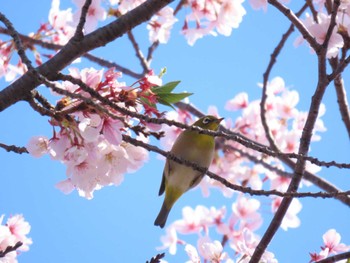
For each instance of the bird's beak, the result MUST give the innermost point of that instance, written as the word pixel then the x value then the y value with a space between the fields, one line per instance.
pixel 219 120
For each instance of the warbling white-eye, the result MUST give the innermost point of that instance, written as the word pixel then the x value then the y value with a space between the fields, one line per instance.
pixel 179 178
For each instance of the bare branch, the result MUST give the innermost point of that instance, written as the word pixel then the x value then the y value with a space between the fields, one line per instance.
pixel 342 102
pixel 13 148
pixel 108 64
pixel 143 61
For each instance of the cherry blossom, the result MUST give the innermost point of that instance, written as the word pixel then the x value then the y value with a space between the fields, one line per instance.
pixel 332 245
pixel 94 14
pixel 211 16
pixel 161 24
pixel 212 251
pixel 240 101
pixel 290 220
pixel 62 22
pixel 319 31
pixel 192 254
pixel 89 143
pixel 38 146
pixel 15 230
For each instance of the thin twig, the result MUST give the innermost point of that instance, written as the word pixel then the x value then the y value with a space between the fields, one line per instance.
pixel 143 61
pixel 332 24
pixel 100 61
pixel 10 249
pixel 305 137
pixel 335 258
pixel 13 148
pixel 297 23
pixel 155 44
pixel 266 76
pixel 246 190
pixel 20 88
pixel 342 102
pixel 79 34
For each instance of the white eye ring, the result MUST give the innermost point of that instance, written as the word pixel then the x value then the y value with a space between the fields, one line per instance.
pixel 206 120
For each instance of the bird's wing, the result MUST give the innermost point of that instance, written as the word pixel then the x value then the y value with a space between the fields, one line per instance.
pixel 166 171
pixel 196 180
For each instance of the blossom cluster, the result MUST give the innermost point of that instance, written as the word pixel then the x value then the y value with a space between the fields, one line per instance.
pixel 243 166
pixel 13 231
pixel 237 232
pixel 90 142
pixel 318 27
pixel 331 246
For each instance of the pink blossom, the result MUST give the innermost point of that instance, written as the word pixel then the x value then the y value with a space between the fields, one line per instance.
pixel 137 156
pixel 170 240
pixel 65 186
pixel 160 25
pixel 230 16
pixel 90 127
pixel 262 4
pixel 62 22
pixel 319 31
pixel 94 14
pixel 192 254
pixel 191 221
pixel 290 220
pixel 58 145
pixel 112 130
pixel 331 241
pixel 245 210
pixel 15 230
pixel 212 251
pixel 126 5
pixel 332 245
pixel 240 101
pixel 89 76
pixel 20 229
pixel 38 146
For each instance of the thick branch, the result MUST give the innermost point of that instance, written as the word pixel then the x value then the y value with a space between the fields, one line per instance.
pixel 20 88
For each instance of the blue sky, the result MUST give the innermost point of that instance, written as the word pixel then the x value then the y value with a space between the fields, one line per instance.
pixel 117 225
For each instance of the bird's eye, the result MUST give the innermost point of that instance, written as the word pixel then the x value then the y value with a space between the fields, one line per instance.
pixel 206 120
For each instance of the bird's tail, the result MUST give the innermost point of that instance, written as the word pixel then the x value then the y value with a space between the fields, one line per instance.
pixel 162 216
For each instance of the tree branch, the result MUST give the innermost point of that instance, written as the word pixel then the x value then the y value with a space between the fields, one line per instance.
pixel 335 258
pixel 266 76
pixel 297 23
pixel 242 189
pixel 10 249
pixel 79 35
pixel 13 148
pixel 305 137
pixel 20 89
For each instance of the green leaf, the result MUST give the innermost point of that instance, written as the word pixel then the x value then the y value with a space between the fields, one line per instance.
pixel 172 98
pixel 166 88
pixel 146 101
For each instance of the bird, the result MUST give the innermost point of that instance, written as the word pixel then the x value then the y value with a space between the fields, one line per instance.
pixel 178 178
